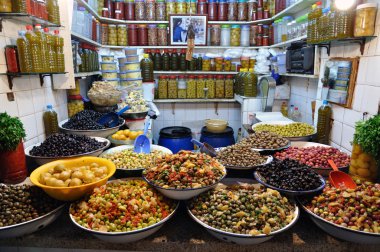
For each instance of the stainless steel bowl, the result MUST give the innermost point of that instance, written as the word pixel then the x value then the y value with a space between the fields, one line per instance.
pixel 134 116
pixel 96 133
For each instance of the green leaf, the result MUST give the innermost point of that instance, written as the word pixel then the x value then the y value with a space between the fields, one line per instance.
pixel 11 132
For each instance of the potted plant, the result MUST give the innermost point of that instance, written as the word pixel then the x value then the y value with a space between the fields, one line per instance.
pixel 12 156
pixel 365 159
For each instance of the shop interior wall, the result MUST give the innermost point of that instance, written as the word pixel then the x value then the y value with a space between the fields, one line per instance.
pixel 366 97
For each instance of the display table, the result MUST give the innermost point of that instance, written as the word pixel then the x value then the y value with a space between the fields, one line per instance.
pixel 181 233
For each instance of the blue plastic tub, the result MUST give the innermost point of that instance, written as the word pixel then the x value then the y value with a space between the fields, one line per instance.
pixel 176 138
pixel 218 140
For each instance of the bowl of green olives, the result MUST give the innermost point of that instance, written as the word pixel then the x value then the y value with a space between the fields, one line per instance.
pixel 293 131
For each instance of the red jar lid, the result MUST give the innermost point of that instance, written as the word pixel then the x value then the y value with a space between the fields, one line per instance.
pixel 132 26
pixel 172 77
pixel 210 76
pixel 181 76
pixel 201 77
pixel 74 97
pixel 219 76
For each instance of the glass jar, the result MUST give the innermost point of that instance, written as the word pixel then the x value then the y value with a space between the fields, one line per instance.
pixel 235 35
pixel 150 10
pixel 11 59
pixel 210 85
pixel 180 7
pixel 170 8
pixel 219 64
pixel 181 87
pixel 365 20
pixel 201 84
pixel 242 10
pixel 105 13
pixel 132 35
pixel 252 62
pixel 112 34
pixel 232 10
pixel 344 24
pixel 6 6
pixel 229 87
pixel 252 35
pixel 74 105
pixel 219 86
pixel 212 10
pixel 259 40
pixel 129 7
pixel 162 35
pixel 244 37
pixel 260 13
pixel 222 10
pixel 244 62
pixel 227 64
pixel 192 7
pixel 191 89
pixel 152 35
pixel 121 35
pixel 162 87
pixel 173 87
pixel 363 166
pixel 206 63
pixel 118 6
pixel 215 35
pixel 252 8
pixel 225 35
pixel 160 10
pixel 265 41
pixel 142 34
pixel 109 5
pixel 202 7
pixel 139 10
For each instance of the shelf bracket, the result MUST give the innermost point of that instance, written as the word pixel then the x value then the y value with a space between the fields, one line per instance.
pixel 173 108
pixel 42 79
pixel 10 80
pixel 1 24
pixel 216 105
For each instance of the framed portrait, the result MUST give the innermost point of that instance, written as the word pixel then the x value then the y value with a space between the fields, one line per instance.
pixel 178 26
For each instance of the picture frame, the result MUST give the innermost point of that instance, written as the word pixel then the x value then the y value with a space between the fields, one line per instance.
pixel 178 24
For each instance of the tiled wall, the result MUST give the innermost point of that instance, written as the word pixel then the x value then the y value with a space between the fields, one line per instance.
pixel 30 98
pixel 366 95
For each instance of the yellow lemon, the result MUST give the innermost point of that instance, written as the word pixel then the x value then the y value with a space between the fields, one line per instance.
pixel 126 132
pixel 119 132
pixel 122 137
pixel 133 135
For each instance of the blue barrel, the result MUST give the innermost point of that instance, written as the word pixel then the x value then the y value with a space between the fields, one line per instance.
pixel 176 138
pixel 218 140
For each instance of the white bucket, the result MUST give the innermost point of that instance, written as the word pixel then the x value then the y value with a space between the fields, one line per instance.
pixel 148 90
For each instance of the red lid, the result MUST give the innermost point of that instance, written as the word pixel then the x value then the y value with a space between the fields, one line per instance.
pixel 46 29
pixel 183 50
pixel 29 27
pixel 181 76
pixel 318 3
pixel 132 26
pixel 56 32
pixel 158 51
pixel 74 97
pixel 169 50
pixel 147 50
pixel 230 76
pixel 172 77
pixel 162 77
pixel 165 50
pixel 174 50
pixel 142 26
pixel 200 76
pixel 210 76
pixel 191 76
pixel 219 76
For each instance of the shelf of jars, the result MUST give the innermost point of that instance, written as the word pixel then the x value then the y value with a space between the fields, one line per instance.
pixel 25 18
pixel 11 76
pixel 182 47
pixel 294 8
pixel 193 100
pixel 194 72
pixel 81 38
pixel 86 74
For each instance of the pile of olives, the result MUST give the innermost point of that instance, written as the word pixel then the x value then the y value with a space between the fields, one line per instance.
pixel 288 130
pixel 86 120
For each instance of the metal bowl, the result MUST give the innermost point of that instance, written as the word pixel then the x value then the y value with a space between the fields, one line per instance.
pixel 134 115
pixel 269 160
pixel 341 232
pixel 43 160
pixel 96 133
pixel 273 150
pixel 242 239
pixel 183 194
pixel 125 237
pixel 291 193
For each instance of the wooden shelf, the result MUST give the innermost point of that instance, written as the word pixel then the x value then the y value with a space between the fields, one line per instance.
pixel 86 74
pixel 81 38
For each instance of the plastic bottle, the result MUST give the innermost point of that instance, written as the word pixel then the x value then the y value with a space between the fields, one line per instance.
pixel 332 23
pixel 166 60
pixel 291 111
pixel 51 56
pixel 50 121
pixel 146 65
pixel 24 58
pixel 53 11
pixel 296 116
pixel 284 32
pixel 58 48
pixel 279 30
pixel 323 125
pixel 284 109
pixel 323 26
pixel 157 60
pixel 317 16
pixel 43 45
pixel 34 49
pixel 310 20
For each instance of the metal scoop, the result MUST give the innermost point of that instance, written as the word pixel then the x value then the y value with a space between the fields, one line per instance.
pixel 142 143
pixel 205 148
pixel 112 119
pixel 340 179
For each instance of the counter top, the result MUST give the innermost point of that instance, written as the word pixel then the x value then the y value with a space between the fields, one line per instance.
pixel 181 233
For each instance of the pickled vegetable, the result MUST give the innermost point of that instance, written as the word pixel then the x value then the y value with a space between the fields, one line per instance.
pixel 235 35
pixel 219 64
pixel 139 10
pixel 182 87
pixel 6 6
pixel 150 10
pixel 227 64
pixel 170 8
pixel 160 10
pixel 191 89
pixel 206 64
pixel 180 7
pixel 172 87
pixel 365 20
pixel 201 84
pixel 162 35
pixel 74 106
pixel 152 35
pixel 122 35
pixel 229 87
pixel 162 87
pixel 192 7
pixel 112 35
pixel 219 86
pixel 363 166
pixel 210 85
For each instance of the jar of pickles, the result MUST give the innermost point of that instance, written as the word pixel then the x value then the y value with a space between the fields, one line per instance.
pixel 363 165
pixel 235 35
pixel 150 10
pixel 152 35
pixel 210 85
pixel 162 87
pixel 191 88
pixel 160 10
pixel 140 10
pixel 232 10
pixel 142 34
pixel 219 64
pixel 252 7
pixel 170 8
pixel 206 63
pixel 229 86
pixel 252 62
pixel 219 86
pixel 180 7
pixel 222 10
pixel 244 35
pixel 74 105
pixel 112 34
pixel 121 35
pixel 162 35
pixel 215 35
pixel 173 87
pixel 244 61
pixel 225 35
pixel 201 84
pixel 192 7
pixel 104 34
pixel 212 10
pixel 182 89
pixel 227 64
pixel 132 35
pixel 202 7
pixel 252 35
pixel 242 10
pixel 365 19
pixel 129 7
pixel 6 6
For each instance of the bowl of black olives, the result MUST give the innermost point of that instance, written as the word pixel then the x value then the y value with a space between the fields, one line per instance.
pixel 64 146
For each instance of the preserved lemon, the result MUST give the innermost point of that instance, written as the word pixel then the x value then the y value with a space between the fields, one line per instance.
pixel 34 49
pixel 23 53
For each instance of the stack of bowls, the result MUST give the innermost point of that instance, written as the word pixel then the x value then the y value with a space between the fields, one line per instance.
pixel 109 69
pixel 130 72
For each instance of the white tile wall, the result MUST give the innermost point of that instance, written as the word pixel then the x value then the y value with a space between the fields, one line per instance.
pixel 366 95
pixel 30 98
